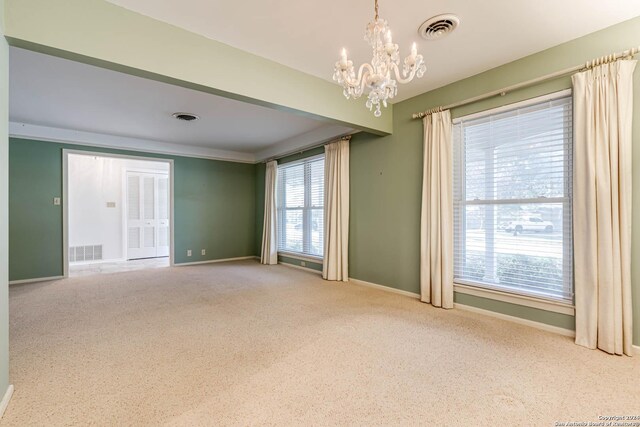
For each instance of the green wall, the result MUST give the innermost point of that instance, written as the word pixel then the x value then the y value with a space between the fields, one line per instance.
pixel 4 210
pixel 214 207
pixel 386 172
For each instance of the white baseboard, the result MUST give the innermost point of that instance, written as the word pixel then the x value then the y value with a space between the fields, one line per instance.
pixel 519 320
pixel 5 400
pixel 213 261
pixel 384 288
pixel 37 279
pixel 299 267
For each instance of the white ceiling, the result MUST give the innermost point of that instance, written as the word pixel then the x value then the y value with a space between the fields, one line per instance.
pixel 308 35
pixel 52 92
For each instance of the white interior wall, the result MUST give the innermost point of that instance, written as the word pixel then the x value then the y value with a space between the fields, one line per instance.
pixel 93 181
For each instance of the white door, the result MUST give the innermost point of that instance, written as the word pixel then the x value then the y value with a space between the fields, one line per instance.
pixel 147 215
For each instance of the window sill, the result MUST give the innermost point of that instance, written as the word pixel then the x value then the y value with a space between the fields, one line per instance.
pixel 527 301
pixel 302 257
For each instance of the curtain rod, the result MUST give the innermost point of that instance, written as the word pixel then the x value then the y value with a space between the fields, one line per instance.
pixel 311 147
pixel 502 92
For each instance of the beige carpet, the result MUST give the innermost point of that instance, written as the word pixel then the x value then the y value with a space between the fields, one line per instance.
pixel 245 344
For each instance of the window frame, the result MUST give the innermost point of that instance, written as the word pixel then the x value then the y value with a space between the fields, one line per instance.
pixel 508 293
pixel 307 210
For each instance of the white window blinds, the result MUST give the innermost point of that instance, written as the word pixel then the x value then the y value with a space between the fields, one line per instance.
pixel 512 199
pixel 300 203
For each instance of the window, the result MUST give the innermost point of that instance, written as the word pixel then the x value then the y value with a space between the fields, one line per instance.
pixel 300 202
pixel 512 199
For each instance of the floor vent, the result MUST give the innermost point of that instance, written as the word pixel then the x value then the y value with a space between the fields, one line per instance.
pixel 85 253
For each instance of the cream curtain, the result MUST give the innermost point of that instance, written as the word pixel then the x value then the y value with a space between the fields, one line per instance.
pixel 602 206
pixel 269 231
pixel 336 211
pixel 436 223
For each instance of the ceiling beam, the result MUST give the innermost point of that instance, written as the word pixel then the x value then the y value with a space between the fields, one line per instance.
pixel 100 33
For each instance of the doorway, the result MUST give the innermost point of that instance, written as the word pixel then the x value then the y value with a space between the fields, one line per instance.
pixel 117 213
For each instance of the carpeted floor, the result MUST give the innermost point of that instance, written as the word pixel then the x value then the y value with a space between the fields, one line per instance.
pixel 244 344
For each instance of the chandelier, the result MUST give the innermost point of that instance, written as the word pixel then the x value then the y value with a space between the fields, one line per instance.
pixel 376 77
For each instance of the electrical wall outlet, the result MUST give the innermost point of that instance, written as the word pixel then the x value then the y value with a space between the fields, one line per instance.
pixel 56 201
pixel 203 252
pixel 303 264
pixel 188 252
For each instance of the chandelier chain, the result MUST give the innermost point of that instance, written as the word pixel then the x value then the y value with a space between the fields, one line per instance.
pixel 376 8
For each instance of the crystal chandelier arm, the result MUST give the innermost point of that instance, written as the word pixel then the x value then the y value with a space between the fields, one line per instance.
pixel 364 70
pixel 399 78
pixel 361 79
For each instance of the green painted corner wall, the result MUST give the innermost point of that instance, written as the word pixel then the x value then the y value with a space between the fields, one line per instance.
pixel 214 207
pixel 386 172
pixel 4 209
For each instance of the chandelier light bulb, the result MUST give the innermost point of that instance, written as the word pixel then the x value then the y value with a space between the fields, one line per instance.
pixel 343 58
pixel 387 37
pixel 380 78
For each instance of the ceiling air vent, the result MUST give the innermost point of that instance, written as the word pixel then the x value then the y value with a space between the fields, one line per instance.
pixel 187 117
pixel 439 26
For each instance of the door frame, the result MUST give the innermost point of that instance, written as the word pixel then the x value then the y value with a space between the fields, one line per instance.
pixel 65 199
